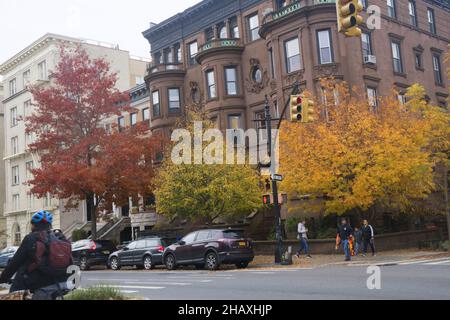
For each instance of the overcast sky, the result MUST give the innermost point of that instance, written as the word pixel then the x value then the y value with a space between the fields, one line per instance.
pixel 115 21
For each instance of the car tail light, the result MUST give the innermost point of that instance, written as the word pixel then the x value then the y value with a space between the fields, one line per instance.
pixel 93 246
pixel 161 249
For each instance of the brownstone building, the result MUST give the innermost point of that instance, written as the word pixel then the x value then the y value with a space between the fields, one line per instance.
pixel 229 54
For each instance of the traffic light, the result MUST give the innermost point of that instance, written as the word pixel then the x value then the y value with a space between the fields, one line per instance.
pixel 308 110
pixel 296 108
pixel 349 19
pixel 267 199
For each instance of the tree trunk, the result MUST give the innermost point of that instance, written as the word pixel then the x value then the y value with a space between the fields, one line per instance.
pixel 91 212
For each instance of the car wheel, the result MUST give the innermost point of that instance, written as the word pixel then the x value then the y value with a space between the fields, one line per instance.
pixel 148 263
pixel 170 262
pixel 115 264
pixel 84 266
pixel 211 261
pixel 242 265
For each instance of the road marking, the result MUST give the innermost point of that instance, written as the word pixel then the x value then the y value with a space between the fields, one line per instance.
pixel 129 291
pixel 140 287
pixel 420 262
pixel 437 263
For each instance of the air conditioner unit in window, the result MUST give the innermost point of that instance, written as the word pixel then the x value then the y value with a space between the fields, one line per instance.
pixel 370 59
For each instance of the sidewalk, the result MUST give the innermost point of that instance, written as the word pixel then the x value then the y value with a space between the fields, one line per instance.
pixel 386 258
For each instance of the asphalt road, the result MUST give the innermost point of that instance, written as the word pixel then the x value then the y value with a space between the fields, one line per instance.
pixel 410 280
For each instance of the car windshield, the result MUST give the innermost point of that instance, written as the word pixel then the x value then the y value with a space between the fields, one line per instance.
pixel 233 234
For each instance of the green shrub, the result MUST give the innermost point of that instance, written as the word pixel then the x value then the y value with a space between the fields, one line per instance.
pixel 292 224
pixel 97 293
pixel 444 246
pixel 78 235
pixel 329 233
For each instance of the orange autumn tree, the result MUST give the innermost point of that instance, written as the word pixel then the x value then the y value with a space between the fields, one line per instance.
pixel 79 160
pixel 356 156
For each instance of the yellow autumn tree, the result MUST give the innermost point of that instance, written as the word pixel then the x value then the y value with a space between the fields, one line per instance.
pixel 205 192
pixel 356 156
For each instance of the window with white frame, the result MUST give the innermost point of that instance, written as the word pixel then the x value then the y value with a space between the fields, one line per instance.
pixel 253 27
pixel 412 12
pixel 15 145
pixel 231 81
pixel 146 114
pixel 431 20
pixel 211 84
pixel 26 78
pixel 293 56
pixel 15 175
pixel 42 70
pixel 391 8
pixel 437 69
pixel 14 117
pixel 234 122
pixel 156 104
pixel 12 87
pixel 30 201
pixel 372 96
pixel 397 57
pixel 29 166
pixel 16 202
pixel 193 50
pixel 366 43
pixel 174 99
pixel 324 44
pixel 133 119
pixel 401 98
pixel 27 108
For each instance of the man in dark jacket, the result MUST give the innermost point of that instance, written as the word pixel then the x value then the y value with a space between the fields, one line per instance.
pixel 368 238
pixel 25 257
pixel 345 232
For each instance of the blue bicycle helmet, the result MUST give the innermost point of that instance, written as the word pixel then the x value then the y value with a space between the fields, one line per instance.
pixel 42 217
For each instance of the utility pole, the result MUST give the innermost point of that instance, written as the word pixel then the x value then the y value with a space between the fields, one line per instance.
pixel 276 203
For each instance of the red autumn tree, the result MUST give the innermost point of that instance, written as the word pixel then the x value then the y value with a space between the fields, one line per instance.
pixel 79 159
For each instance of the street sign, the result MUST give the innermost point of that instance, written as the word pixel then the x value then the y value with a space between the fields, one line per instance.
pixel 277 177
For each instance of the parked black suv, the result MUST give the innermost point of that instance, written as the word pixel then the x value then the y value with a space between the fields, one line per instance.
pixel 88 253
pixel 144 254
pixel 209 249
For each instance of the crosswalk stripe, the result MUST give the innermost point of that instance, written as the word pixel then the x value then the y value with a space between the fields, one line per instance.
pixel 139 287
pixel 437 263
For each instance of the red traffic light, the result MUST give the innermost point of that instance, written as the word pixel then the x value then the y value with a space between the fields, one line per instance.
pixel 299 100
pixel 267 199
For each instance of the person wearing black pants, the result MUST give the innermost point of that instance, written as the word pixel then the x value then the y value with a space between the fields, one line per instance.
pixel 368 238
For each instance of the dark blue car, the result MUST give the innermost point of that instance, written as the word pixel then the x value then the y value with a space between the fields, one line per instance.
pixel 6 255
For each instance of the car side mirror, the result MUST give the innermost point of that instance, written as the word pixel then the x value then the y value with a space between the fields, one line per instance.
pixel 181 243
pixel 126 249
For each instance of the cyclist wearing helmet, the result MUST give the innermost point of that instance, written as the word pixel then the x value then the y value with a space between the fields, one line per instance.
pixel 25 257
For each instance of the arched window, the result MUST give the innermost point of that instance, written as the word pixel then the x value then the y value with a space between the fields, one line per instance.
pixel 223 33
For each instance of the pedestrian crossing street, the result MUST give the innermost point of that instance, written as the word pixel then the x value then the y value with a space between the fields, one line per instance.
pixel 145 282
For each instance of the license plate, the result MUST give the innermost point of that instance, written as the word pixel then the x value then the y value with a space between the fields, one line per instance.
pixel 106 252
pixel 242 244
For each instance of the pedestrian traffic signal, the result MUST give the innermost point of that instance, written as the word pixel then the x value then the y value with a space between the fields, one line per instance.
pixel 308 110
pixel 348 16
pixel 296 108
pixel 267 199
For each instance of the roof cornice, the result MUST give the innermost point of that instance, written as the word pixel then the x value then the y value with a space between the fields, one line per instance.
pixel 32 49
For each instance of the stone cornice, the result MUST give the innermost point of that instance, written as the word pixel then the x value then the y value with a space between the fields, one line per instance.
pixel 33 49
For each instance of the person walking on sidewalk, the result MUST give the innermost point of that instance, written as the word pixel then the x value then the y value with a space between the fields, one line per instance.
pixel 368 238
pixel 345 232
pixel 303 237
pixel 358 240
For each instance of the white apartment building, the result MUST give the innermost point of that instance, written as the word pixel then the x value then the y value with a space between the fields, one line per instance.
pixel 33 65
pixel 2 173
